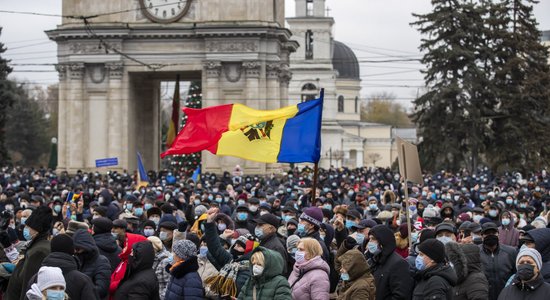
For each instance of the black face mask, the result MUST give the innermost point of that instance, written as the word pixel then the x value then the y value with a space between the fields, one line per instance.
pixel 290 232
pixel 490 240
pixel 236 254
pixel 526 272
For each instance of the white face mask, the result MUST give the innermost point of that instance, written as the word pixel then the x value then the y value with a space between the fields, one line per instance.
pixel 257 270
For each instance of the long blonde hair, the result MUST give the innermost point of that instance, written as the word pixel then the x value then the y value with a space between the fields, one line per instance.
pixel 258 258
pixel 312 247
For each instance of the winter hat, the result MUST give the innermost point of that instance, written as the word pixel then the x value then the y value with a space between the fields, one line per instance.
pixel 533 253
pixel 384 215
pixel 313 215
pixel 62 243
pixel 74 226
pixel 292 241
pixel 150 224
pixel 50 277
pixel 102 225
pixel 168 225
pixel 199 210
pixel 101 210
pixel 157 243
pixel 464 217
pixel 119 223
pixel 184 249
pixel 434 249
pixel 430 212
pixel 41 219
pixel 404 230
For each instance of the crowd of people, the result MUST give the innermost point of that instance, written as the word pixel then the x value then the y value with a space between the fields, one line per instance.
pixel 236 236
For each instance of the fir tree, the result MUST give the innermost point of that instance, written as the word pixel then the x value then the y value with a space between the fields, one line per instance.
pixel 8 94
pixel 187 163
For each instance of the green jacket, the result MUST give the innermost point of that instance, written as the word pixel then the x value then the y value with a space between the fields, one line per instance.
pixel 29 265
pixel 271 284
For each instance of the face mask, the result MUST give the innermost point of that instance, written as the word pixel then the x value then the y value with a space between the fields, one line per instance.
pixel 167 197
pixel 505 222
pixel 322 236
pixel 163 235
pixel 23 221
pixel 493 213
pixel 326 190
pixel 57 208
pixel 203 250
pixel 301 229
pixel 148 232
pixel 360 238
pixel 241 202
pixel 55 232
pixel 419 263
pixel 526 272
pixel 100 200
pixel 55 295
pixel 222 226
pixel 444 239
pixel 27 234
pixel 300 256
pixel 258 232
pixel 477 218
pixel 257 270
pixel 114 234
pixel 210 197
pixel 197 201
pixel 156 221
pixel 350 193
pixel 129 206
pixel 171 259
pixel 509 201
pixel 148 206
pixel 344 276
pixel 350 223
pixel 523 205
pixel 373 247
pixel 490 240
pixel 253 208
pixel 12 226
pixel 286 218
pixel 138 211
pixel 476 239
pixel 219 200
pixel 414 237
pixel 373 206
pixel 327 206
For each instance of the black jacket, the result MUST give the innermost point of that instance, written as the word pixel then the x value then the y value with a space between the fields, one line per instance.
pixel 272 242
pixel 79 286
pixel 390 270
pixel 533 290
pixel 472 283
pixel 498 267
pixel 108 247
pixel 96 266
pixel 140 281
pixel 541 236
pixel 185 282
pixel 435 283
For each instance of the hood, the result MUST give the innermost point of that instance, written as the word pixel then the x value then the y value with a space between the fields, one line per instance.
pixel 196 228
pixel 273 263
pixel 512 223
pixel 83 239
pixel 441 270
pixel 107 197
pixel 541 236
pixel 316 263
pixel 473 256
pixel 106 242
pixel 355 263
pixel 329 233
pixel 64 261
pixel 385 237
pixel 227 220
pixel 458 260
pixel 131 239
pixel 142 258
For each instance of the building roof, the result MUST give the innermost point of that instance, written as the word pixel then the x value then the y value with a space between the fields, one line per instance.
pixel 408 134
pixel 545 36
pixel 345 61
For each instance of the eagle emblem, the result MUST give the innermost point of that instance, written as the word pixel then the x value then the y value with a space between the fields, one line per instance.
pixel 258 131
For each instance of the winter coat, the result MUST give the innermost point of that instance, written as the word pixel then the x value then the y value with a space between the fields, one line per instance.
pixel 309 279
pixel 361 283
pixel 471 281
pixel 390 270
pixel 163 276
pixel 508 235
pixel 270 284
pixel 185 283
pixel 96 266
pixel 498 267
pixel 120 272
pixel 206 269
pixel 534 290
pixel 140 282
pixel 34 255
pixel 435 282
pixel 541 237
pixel 108 247
pixel 79 286
pixel 272 242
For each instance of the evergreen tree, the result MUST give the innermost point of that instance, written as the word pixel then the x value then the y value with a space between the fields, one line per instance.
pixel 8 94
pixel 522 78
pixel 187 163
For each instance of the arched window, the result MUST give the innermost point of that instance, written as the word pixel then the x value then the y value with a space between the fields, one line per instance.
pixel 356 104
pixel 340 103
pixel 309 92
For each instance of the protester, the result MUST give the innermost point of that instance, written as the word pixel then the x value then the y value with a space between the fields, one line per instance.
pixel 120 271
pixel 91 263
pixel 106 244
pixel 357 279
pixel 528 282
pixel 50 284
pixel 185 282
pixel 310 276
pixel 540 240
pixel 471 281
pixel 140 281
pixel 266 232
pixel 435 278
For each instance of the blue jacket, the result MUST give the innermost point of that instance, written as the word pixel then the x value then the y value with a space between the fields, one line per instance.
pixel 185 282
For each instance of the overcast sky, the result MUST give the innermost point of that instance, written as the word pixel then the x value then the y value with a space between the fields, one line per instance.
pixel 374 29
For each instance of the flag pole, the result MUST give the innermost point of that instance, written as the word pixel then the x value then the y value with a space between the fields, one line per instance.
pixel 406 196
pixel 315 176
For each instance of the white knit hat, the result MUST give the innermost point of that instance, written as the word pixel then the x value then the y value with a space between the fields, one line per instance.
pixel 50 277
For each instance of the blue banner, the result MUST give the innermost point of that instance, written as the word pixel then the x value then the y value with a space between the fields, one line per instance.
pixel 106 162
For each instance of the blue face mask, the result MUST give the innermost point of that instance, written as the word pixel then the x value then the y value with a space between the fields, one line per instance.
pixel 203 251
pixel 148 206
pixel 286 218
pixel 57 208
pixel 129 206
pixel 360 238
pixel 241 202
pixel 219 200
pixel 210 197
pixel 350 193
pixel 373 206
pixel 344 276
pixel 27 234
pixel 258 232
pixel 373 247
pixel 414 237
pixel 444 239
pixel 327 206
pixel 171 259
pixel 301 229
pixel 419 263
pixel 114 234
pixel 505 222
pixel 288 190
pixel 55 295
pixel 509 201
pixel 138 211
pixel 493 213
pixel 242 216
pixel 23 221
pixel 350 223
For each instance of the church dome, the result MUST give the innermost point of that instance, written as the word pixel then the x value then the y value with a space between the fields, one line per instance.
pixel 345 61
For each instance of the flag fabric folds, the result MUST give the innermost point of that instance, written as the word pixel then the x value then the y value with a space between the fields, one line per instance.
pixel 196 174
pixel 142 178
pixel 173 127
pixel 290 134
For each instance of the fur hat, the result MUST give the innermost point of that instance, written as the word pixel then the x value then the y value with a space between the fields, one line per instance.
pixel 41 219
pixel 74 226
pixel 341 210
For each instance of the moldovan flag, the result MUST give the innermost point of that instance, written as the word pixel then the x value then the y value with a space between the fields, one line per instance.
pixel 142 178
pixel 291 134
pixel 174 120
